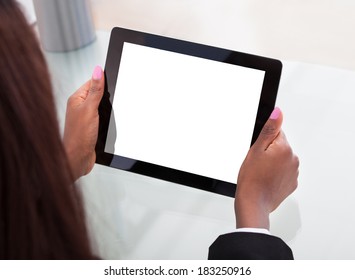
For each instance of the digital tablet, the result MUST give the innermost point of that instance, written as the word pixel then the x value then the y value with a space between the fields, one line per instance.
pixel 181 111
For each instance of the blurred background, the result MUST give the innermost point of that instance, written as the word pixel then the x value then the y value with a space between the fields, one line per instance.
pixel 315 31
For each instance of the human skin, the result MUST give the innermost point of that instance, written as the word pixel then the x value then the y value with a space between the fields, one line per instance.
pixel 267 176
pixel 82 124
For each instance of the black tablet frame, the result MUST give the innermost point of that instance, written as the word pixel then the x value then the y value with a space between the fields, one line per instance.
pixel 272 68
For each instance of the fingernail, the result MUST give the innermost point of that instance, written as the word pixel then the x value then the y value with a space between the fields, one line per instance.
pixel 275 114
pixel 97 74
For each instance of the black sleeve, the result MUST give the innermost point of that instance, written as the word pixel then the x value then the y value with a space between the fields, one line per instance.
pixel 249 246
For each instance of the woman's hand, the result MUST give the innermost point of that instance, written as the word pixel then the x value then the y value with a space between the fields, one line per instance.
pixel 82 124
pixel 267 176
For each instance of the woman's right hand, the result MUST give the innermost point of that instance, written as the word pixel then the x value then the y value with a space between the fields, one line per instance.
pixel 267 176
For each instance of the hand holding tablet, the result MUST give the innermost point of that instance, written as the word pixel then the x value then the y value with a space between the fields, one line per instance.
pixel 182 111
pixel 267 176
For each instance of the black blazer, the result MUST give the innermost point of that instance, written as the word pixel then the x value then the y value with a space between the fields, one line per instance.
pixel 249 246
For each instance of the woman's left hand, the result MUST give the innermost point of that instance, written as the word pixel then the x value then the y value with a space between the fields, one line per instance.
pixel 82 124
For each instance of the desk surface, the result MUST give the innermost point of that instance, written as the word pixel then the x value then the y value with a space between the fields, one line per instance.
pixel 135 217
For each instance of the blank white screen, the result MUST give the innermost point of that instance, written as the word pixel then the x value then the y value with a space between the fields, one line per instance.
pixel 184 112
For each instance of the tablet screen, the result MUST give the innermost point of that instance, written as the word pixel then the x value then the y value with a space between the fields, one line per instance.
pixel 180 111
pixel 184 112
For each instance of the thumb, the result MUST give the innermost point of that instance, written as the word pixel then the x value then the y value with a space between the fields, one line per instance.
pixel 270 130
pixel 97 85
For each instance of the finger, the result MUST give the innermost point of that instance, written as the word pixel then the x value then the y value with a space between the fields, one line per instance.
pixel 83 91
pixel 79 97
pixel 270 130
pixel 97 85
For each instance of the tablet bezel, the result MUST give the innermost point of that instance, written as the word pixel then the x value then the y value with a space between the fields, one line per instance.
pixel 272 68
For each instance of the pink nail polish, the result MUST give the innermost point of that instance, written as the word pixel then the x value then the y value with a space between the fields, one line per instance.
pixel 97 74
pixel 275 114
